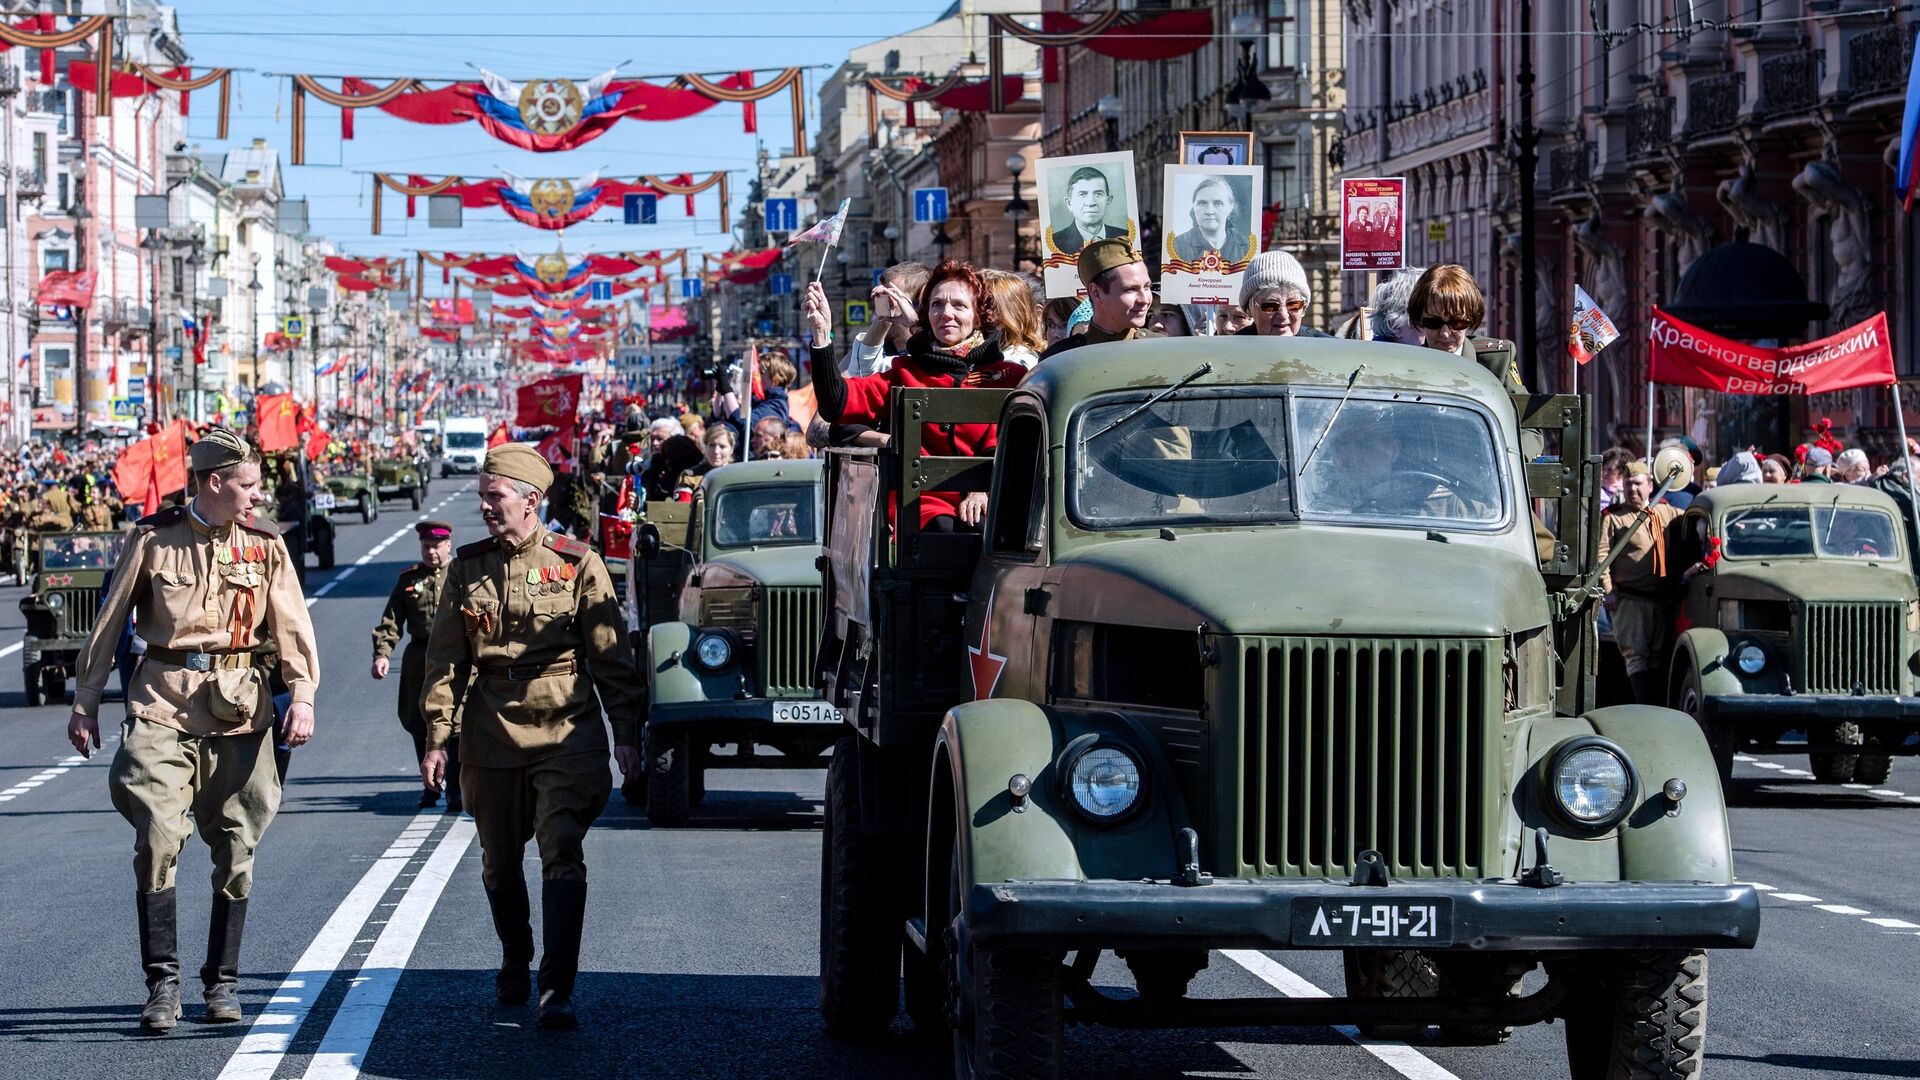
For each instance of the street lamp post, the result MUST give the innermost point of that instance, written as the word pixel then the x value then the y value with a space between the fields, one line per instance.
pixel 1017 207
pixel 253 288
pixel 1109 108
pixel 892 233
pixel 1248 90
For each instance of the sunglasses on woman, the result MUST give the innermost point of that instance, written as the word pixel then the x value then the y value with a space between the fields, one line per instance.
pixel 1458 326
pixel 1272 307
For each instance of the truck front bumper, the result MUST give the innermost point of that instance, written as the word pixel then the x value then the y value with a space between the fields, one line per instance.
pixel 712 722
pixel 1803 707
pixel 1488 914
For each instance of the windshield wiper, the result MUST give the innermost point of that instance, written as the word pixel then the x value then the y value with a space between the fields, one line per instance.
pixel 1351 379
pixel 1833 518
pixel 1203 369
pixel 1741 516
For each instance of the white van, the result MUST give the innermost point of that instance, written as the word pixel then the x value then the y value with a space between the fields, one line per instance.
pixel 465 445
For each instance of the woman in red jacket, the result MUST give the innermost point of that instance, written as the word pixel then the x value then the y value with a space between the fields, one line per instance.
pixel 951 349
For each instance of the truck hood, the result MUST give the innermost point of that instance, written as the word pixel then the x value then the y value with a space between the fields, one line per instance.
pixel 1309 581
pixel 775 567
pixel 1819 581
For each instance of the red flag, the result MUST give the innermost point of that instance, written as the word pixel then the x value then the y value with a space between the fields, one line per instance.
pixel 317 441
pixel 757 391
pixel 1685 355
pixel 550 402
pixel 170 457
pixel 499 437
pixel 554 446
pixel 279 420
pixel 133 471
pixel 66 288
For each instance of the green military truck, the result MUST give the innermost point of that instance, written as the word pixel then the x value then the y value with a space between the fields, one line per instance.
pixel 351 492
pixel 400 477
pixel 1807 620
pixel 1260 647
pixel 730 658
pixel 61 600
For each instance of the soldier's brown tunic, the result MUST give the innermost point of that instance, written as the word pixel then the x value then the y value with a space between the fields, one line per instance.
pixel 410 610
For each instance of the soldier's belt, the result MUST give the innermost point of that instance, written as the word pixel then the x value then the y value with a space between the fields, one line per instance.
pixel 526 672
pixel 207 661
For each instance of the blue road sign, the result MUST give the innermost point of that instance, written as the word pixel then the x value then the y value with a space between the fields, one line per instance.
pixel 780 284
pixel 876 278
pixel 642 209
pixel 689 287
pixel 929 205
pixel 601 290
pixel 783 215
pixel 764 327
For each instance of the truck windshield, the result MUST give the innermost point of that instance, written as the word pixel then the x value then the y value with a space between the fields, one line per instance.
pixel 760 515
pixel 465 440
pixel 80 552
pixel 1774 532
pixel 1231 457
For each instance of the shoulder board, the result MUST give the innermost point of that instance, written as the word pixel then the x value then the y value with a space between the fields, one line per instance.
pixel 258 531
pixel 566 545
pixel 477 548
pixel 172 515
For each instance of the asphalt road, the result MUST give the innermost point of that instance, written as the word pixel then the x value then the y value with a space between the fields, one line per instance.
pixel 370 949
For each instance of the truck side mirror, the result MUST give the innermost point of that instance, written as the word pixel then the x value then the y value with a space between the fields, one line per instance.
pixel 649 541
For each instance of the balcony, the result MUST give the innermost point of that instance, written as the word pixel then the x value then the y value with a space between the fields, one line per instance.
pixel 1713 104
pixel 1879 60
pixel 1790 84
pixel 1569 167
pixel 1649 128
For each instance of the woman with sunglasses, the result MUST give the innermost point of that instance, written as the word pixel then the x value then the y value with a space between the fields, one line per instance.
pixel 1445 306
pixel 1275 293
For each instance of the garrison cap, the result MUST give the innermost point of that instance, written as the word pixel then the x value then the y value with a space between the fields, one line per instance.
pixel 519 461
pixel 1103 255
pixel 217 449
pixel 433 529
pixel 1638 468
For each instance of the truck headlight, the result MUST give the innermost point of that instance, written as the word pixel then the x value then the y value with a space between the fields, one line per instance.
pixel 56 601
pixel 1751 658
pixel 1593 783
pixel 713 650
pixel 1104 782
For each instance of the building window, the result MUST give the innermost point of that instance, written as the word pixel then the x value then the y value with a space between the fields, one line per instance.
pixel 40 154
pixel 1283 175
pixel 1283 35
pixel 53 259
pixel 62 198
pixel 56 363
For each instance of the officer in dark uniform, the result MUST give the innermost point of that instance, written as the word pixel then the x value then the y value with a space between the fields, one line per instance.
pixel 410 610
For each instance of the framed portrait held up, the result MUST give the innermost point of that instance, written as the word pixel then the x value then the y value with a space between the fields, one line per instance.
pixel 1373 233
pixel 1212 216
pixel 1082 199
pixel 1216 148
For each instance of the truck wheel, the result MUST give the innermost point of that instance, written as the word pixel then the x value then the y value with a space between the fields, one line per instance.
pixel 1644 1019
pixel 1004 1004
pixel 30 678
pixel 1873 768
pixel 670 777
pixel 1719 739
pixel 1391 973
pixel 1163 975
pixel 368 508
pixel 1835 768
pixel 414 498
pixel 859 926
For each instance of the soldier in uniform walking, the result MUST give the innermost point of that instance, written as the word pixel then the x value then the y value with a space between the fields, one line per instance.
pixel 410 610
pixel 215 596
pixel 55 510
pixel 529 631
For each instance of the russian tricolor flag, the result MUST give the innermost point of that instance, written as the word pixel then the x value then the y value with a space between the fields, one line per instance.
pixel 1907 177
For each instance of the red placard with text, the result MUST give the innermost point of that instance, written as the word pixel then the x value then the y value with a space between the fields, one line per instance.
pixel 1373 233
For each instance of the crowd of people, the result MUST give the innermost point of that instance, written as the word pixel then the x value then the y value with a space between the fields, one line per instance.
pixel 49 488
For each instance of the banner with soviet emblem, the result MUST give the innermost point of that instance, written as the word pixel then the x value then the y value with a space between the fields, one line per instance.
pixel 1685 355
pixel 549 402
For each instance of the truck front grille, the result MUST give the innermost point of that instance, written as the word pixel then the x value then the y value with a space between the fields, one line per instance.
pixel 789 637
pixel 1350 744
pixel 78 607
pixel 1845 644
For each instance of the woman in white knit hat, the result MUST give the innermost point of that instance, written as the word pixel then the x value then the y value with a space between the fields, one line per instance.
pixel 1274 291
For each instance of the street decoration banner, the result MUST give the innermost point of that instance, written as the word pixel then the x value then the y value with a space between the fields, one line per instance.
pixel 1373 234
pixel 139 80
pixel 1082 199
pixel 1906 174
pixel 549 202
pixel 955 92
pixel 1122 35
pixel 548 115
pixel 547 402
pixel 1211 232
pixel 1685 355
pixel 1592 328
pixel 42 32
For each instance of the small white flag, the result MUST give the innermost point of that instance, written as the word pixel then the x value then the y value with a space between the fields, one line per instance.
pixel 826 230
pixel 1592 329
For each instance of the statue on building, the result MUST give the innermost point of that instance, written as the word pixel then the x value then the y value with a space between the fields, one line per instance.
pixel 1690 233
pixel 1851 294
pixel 1754 215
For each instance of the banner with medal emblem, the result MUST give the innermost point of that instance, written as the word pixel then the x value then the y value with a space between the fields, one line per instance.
pixel 1211 232
pixel 549 202
pixel 549 402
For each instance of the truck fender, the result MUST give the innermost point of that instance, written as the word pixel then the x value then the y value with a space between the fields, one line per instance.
pixel 1655 844
pixel 983 744
pixel 1703 650
pixel 672 676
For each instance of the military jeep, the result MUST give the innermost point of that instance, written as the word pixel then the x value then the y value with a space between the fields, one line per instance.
pixel 1260 647
pixel 730 659
pixel 1807 620
pixel 400 478
pixel 61 600
pixel 354 491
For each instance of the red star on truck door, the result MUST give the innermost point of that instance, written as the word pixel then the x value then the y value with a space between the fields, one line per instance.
pixel 984 662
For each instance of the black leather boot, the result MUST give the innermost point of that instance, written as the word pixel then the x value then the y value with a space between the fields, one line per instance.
pixel 160 958
pixel 226 925
pixel 512 921
pixel 563 909
pixel 456 803
pixel 1644 688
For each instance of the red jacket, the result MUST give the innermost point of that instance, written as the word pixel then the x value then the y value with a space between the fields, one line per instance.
pixel 867 404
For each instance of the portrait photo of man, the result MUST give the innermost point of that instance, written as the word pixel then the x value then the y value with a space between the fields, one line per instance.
pixel 1217 222
pixel 1083 199
pixel 1090 202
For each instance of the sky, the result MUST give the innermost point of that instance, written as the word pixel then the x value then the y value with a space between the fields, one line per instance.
pixel 437 39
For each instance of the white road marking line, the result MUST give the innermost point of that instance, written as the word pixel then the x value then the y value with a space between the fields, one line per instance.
pixel 1768 765
pixel 344 1047
pixel 1397 1056
pixel 1842 909
pixel 260 1053
pixel 1910 798
pixel 1857 787
pixel 1894 924
pixel 11 649
pixel 1798 898
pixel 1756 885
pixel 1795 772
pixel 324 589
pixel 1888 794
pixel 1745 757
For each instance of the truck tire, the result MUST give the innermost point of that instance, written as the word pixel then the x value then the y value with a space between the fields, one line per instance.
pixel 369 508
pixel 1873 768
pixel 1391 973
pixel 1835 768
pixel 36 692
pixel 859 926
pixel 669 779
pixel 1004 1004
pixel 414 497
pixel 1645 1018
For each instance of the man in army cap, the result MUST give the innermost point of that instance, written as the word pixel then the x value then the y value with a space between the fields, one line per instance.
pixel 215 597
pixel 529 630
pixel 1121 291
pixel 56 508
pixel 410 610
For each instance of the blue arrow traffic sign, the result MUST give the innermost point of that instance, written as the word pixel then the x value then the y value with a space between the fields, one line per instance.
pixel 600 290
pixel 780 284
pixel 642 209
pixel 689 287
pixel 929 205
pixel 782 215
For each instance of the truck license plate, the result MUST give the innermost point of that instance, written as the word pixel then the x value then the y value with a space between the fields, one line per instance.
pixel 1427 922
pixel 805 712
pixel 323 502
